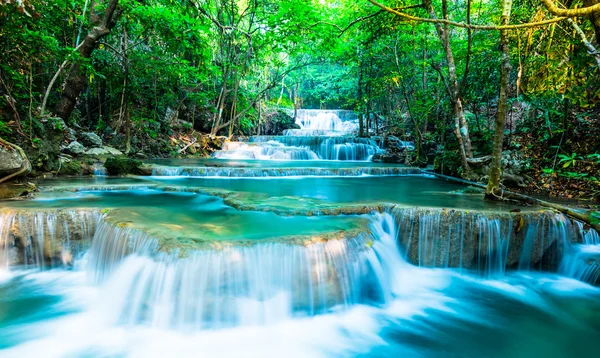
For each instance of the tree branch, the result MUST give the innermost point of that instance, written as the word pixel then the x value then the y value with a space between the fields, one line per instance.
pixel 465 25
pixel 590 48
pixel 584 11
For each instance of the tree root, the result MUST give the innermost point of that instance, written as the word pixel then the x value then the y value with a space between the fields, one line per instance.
pixel 580 215
pixel 26 164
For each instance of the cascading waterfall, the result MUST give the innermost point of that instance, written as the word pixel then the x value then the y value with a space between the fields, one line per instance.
pixel 266 150
pixel 45 239
pixel 583 260
pixel 249 284
pixel 488 243
pixel 279 172
pixel 323 135
pixel 327 147
pixel 256 284
pixel 316 122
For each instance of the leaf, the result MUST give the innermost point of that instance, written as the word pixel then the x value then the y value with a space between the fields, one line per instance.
pixel 520 222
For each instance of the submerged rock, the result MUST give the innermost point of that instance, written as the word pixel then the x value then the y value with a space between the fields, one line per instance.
pixel 91 139
pixel 16 190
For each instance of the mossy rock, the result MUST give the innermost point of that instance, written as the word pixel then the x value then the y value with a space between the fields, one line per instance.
pixel 14 190
pixel 123 166
pixel 72 167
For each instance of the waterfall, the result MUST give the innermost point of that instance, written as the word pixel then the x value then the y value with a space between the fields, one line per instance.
pixel 45 238
pixel 323 135
pixel 327 147
pixel 486 243
pixel 315 122
pixel 263 151
pixel 304 280
pixel 249 284
pixel 582 261
pixel 279 172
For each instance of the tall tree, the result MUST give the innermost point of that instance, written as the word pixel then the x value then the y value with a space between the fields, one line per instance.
pixel 103 17
pixel 493 187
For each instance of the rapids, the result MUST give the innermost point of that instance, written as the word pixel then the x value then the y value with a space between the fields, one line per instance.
pixel 291 246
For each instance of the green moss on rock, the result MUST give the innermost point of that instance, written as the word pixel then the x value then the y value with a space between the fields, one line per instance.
pixel 72 167
pixel 123 166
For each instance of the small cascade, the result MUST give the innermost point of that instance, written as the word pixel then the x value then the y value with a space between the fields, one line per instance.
pixel 326 147
pixel 488 243
pixel 249 284
pixel 264 151
pixel 45 239
pixel 582 261
pixel 278 172
pixel 111 244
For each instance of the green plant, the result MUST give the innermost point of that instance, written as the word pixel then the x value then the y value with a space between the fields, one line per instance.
pixel 4 129
pixel 594 157
pixel 569 160
pixel 574 175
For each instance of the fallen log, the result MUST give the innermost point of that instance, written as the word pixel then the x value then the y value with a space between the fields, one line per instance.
pixel 587 216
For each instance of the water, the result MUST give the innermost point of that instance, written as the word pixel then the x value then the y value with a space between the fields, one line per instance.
pixel 274 258
pixel 323 135
pixel 353 297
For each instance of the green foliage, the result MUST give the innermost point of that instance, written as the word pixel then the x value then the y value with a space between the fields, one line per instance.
pixel 569 160
pixel 4 129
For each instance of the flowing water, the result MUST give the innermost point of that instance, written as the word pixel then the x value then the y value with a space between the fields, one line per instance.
pixel 292 258
pixel 323 135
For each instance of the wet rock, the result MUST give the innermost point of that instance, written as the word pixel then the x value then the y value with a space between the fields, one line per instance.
pixel 91 139
pixel 74 148
pixel 10 161
pixel 45 152
pixel 47 238
pixel 103 152
pixel 123 166
pixel 277 122
pixel 396 151
pixel 70 167
pixel 16 190
pixel 71 134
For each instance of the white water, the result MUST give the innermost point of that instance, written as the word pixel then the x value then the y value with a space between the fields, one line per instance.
pixel 243 301
pixel 315 122
pixel 324 135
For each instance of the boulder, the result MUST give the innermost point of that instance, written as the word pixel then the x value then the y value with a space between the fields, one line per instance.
pixel 123 166
pixel 91 140
pixel 74 148
pixel 103 152
pixel 12 190
pixel 10 161
pixel 70 167
pixel 112 150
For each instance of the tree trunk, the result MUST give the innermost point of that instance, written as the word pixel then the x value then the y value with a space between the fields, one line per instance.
pixel 493 188
pixel 361 121
pixel 76 78
pixel 461 126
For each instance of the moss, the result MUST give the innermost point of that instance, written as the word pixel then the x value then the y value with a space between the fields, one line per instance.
pixel 123 166
pixel 12 190
pixel 72 167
